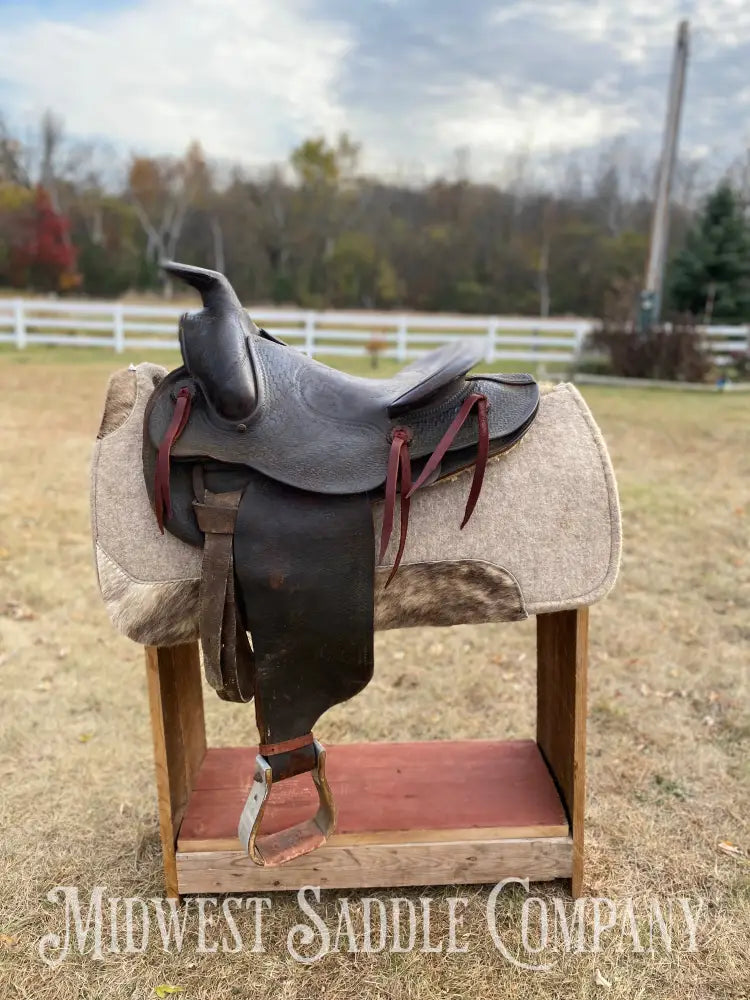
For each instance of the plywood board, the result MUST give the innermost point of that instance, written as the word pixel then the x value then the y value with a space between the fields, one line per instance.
pixel 385 793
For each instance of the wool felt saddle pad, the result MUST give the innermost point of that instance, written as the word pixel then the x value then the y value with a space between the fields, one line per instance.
pixel 545 535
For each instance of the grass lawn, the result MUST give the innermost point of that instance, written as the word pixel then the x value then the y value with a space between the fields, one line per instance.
pixel 108 360
pixel 668 738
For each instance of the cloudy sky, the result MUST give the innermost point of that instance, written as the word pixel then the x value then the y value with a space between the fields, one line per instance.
pixel 413 80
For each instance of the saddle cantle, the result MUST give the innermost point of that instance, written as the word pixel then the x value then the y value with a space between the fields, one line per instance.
pixel 271 461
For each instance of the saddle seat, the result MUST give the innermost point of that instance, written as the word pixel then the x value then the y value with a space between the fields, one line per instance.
pixel 320 430
pixel 263 405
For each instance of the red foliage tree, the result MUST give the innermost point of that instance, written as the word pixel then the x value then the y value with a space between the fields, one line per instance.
pixel 44 257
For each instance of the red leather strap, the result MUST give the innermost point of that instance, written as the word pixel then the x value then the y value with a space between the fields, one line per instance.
pixel 162 497
pixel 483 452
pixel 398 476
pixel 286 746
pixel 479 401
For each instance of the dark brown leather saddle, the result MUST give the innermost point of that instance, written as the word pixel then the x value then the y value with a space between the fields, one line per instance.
pixel 271 462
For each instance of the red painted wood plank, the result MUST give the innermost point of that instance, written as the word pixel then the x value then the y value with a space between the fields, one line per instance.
pixel 387 787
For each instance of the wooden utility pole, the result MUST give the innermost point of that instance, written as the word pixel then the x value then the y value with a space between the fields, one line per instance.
pixel 651 294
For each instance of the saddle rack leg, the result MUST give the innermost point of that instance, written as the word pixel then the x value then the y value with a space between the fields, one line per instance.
pixel 273 849
pixel 179 735
pixel 562 667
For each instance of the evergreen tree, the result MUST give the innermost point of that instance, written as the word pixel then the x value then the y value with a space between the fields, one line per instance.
pixel 710 276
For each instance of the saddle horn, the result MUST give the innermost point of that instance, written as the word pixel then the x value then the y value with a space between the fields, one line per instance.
pixel 214 342
pixel 215 290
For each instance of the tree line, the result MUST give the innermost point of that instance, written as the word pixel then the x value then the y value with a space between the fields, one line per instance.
pixel 317 231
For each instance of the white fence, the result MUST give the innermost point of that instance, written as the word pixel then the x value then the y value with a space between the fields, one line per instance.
pixel 135 328
pixel 141 328
pixel 724 341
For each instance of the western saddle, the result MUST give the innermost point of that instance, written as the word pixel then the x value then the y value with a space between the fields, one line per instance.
pixel 271 461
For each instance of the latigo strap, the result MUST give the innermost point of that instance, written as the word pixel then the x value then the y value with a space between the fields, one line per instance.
pixel 398 477
pixel 162 496
pixel 228 658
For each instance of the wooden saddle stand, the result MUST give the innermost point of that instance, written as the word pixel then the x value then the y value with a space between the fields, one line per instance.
pixel 478 811
pixel 244 492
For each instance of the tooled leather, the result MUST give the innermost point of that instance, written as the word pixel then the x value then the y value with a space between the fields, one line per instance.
pixel 298 444
pixel 511 378
pixel 335 394
pixel 456 363
pixel 226 377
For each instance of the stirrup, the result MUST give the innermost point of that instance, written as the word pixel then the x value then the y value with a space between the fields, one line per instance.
pixel 272 849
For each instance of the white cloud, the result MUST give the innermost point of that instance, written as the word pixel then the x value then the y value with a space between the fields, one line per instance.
pixel 538 118
pixel 250 78
pixel 246 78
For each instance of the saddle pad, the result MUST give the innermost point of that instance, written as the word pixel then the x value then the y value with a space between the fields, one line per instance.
pixel 545 535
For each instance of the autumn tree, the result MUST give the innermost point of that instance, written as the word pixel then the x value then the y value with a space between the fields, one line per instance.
pixel 16 211
pixel 162 191
pixel 317 231
pixel 40 254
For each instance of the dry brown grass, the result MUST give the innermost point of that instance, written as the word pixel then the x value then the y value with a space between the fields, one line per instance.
pixel 669 730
